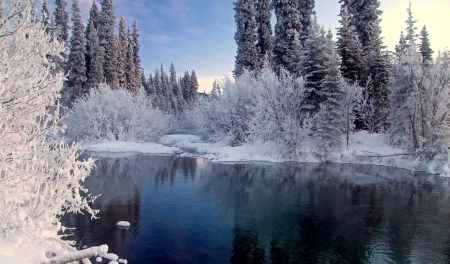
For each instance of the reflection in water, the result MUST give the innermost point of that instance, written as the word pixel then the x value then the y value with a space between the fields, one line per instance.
pixel 186 210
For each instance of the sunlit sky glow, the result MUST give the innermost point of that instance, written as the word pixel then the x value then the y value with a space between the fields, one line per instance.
pixel 199 34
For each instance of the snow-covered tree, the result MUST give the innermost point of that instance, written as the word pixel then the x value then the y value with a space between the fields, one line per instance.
pixel 122 53
pixel 45 19
pixel 93 17
pixel 306 10
pixel 349 48
pixel 352 106
pixel 411 35
pixel 77 64
pixel 287 48
pixel 130 70
pixel 185 87
pixel 329 125
pixel 400 49
pixel 245 37
pixel 264 43
pixel 108 41
pixel 62 21
pixel 313 67
pixel 215 91
pixel 136 56
pixel 193 87
pixel 40 175
pixel 420 103
pixel 95 53
pixel 425 47
pixel 176 89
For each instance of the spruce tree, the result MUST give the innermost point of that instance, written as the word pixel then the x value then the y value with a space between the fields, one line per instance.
pixel 349 48
pixel 400 49
pixel 411 35
pixel 425 47
pixel 160 96
pixel 62 21
pixel 329 121
pixel 306 10
pixel 95 53
pixel 93 17
pixel 264 42
pixel 176 88
pixel 77 63
pixel 286 45
pixel 246 57
pixel 185 87
pixel 130 70
pixel 169 105
pixel 122 53
pixel 108 41
pixel 194 86
pixel 313 67
pixel 45 16
pixel 136 49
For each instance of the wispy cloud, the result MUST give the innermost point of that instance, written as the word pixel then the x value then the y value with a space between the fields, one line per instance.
pixel 158 38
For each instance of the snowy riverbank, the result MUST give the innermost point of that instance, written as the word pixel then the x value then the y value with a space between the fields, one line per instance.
pixel 363 148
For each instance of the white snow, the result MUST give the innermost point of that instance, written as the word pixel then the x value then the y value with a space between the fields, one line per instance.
pixel 123 223
pixel 124 261
pixel 105 148
pixel 111 256
pixel 98 259
pixel 361 145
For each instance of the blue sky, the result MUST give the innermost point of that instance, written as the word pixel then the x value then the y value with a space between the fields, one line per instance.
pixel 198 34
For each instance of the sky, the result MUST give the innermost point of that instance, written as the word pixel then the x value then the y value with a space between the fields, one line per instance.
pixel 199 34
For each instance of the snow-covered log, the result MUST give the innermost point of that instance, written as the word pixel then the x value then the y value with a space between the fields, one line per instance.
pixel 79 255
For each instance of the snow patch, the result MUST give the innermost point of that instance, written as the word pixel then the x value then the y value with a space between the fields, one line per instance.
pixel 123 223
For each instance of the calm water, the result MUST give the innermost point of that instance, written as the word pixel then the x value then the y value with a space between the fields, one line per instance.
pixel 187 210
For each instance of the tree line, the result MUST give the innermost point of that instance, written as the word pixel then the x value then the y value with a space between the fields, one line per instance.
pixel 402 93
pixel 97 55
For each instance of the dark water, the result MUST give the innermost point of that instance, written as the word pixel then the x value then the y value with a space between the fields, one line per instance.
pixel 187 210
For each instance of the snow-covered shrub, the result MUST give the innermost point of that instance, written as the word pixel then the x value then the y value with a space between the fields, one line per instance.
pixel 40 176
pixel 107 114
pixel 228 118
pixel 259 107
pixel 353 104
pixel 420 105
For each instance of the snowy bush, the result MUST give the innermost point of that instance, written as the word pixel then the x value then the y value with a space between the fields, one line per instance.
pixel 40 176
pixel 107 114
pixel 259 108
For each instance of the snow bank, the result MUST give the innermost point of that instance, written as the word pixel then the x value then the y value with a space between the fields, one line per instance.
pixel 364 148
pixel 107 147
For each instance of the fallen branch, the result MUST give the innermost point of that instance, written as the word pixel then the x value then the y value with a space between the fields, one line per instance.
pixel 79 255
pixel 376 155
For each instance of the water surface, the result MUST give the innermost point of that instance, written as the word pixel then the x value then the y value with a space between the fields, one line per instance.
pixel 188 210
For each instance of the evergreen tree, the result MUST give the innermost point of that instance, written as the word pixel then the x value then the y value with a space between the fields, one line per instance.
pixel 306 10
pixel 108 41
pixel 136 49
pixel 95 53
pixel 176 89
pixel 194 86
pixel 400 49
pixel 160 96
pixel 286 45
pixel 169 105
pixel 349 48
pixel 313 67
pixel 131 77
pixel 94 14
pixel 185 87
pixel 329 121
pixel 411 35
pixel 246 57
pixel 425 47
pixel 77 63
pixel 62 20
pixel 264 42
pixel 144 81
pixel 365 15
pixel 122 53
pixel 45 16
pixel 93 17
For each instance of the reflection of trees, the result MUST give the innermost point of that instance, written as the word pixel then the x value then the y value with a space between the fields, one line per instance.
pixel 121 182
pixel 326 213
